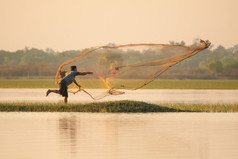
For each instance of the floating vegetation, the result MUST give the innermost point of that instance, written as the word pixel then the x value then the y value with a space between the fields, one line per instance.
pixel 116 107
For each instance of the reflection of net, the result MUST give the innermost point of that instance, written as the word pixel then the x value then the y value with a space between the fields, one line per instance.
pixel 129 66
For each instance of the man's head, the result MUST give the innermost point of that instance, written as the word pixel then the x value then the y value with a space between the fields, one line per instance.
pixel 73 68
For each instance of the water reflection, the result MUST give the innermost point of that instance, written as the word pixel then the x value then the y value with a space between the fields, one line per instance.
pixel 118 136
pixel 148 135
pixel 68 132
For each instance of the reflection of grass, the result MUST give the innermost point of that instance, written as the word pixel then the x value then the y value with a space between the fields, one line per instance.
pixel 116 106
pixel 157 84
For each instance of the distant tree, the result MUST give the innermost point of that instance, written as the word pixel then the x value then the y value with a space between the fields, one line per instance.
pixel 215 66
pixel 49 50
pixel 231 64
pixel 219 53
pixel 2 57
pixel 38 62
pixel 182 43
pixel 236 55
pixel 111 44
pixel 110 58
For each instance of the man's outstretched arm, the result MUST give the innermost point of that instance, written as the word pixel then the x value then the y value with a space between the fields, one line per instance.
pixel 84 73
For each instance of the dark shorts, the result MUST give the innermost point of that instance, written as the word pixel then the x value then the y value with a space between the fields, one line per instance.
pixel 63 89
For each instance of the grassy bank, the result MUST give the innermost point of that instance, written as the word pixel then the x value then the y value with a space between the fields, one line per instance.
pixel 116 106
pixel 157 84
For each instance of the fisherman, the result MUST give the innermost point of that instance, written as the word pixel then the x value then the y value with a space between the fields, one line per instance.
pixel 66 81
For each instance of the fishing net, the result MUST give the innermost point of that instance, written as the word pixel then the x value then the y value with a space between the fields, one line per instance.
pixel 132 66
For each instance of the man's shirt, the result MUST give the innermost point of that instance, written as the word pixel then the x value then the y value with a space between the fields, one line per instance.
pixel 70 78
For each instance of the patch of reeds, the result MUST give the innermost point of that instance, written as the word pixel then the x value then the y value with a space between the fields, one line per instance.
pixel 204 107
pixel 116 107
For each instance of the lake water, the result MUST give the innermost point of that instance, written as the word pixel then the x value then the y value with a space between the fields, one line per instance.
pixel 146 95
pixel 27 135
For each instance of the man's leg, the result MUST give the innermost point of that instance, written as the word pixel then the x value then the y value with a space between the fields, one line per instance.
pixel 54 91
pixel 65 100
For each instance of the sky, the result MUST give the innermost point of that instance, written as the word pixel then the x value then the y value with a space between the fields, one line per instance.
pixel 78 24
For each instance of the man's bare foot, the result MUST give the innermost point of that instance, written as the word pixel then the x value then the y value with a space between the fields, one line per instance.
pixel 48 92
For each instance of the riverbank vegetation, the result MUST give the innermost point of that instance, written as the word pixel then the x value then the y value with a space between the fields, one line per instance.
pixel 212 63
pixel 116 107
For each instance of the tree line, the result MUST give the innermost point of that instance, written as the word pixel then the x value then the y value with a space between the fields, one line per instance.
pixel 212 63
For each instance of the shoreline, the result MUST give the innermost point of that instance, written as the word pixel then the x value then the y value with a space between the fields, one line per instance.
pixel 156 84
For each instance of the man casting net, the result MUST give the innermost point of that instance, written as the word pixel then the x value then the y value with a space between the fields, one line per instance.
pixel 132 66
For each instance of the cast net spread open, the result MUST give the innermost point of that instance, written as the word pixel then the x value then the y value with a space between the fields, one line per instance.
pixel 129 66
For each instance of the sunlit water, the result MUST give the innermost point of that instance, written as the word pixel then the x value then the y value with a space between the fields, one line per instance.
pixel 146 95
pixel 118 136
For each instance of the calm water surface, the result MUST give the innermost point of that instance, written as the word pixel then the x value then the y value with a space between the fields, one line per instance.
pixel 118 136
pixel 146 95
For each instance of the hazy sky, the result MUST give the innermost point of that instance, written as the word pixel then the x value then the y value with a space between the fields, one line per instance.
pixel 76 24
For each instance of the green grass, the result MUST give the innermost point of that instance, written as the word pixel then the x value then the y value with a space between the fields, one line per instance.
pixel 157 84
pixel 28 83
pixel 115 107
pixel 203 107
